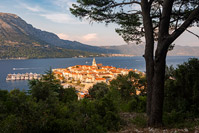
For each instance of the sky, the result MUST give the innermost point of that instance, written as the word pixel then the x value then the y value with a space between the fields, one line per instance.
pixel 54 16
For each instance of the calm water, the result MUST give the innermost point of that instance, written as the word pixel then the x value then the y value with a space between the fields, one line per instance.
pixel 41 65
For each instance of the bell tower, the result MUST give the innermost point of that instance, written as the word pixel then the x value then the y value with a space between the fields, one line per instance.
pixel 94 63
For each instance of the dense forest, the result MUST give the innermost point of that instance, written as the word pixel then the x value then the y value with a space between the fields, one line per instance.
pixel 48 107
pixel 36 49
pixel 39 52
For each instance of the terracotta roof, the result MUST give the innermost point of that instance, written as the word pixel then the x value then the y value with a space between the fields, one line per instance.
pixel 92 73
pixel 56 72
pixel 103 73
pixel 101 70
pixel 74 73
pixel 100 79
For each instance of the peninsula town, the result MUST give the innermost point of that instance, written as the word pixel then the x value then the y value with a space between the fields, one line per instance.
pixel 83 77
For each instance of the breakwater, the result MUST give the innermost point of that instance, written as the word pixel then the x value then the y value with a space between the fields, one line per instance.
pixel 23 76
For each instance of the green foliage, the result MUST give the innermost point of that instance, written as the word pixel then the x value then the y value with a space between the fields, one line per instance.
pixel 128 84
pixel 42 90
pixel 3 94
pixel 179 120
pixel 124 85
pixel 137 104
pixel 20 113
pixel 67 95
pixel 122 92
pixel 27 115
pixel 139 82
pixel 182 89
pixel 9 124
pixel 98 90
pixel 45 88
pixel 50 108
pixel 173 117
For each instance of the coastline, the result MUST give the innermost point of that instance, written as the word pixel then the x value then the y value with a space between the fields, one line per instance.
pixel 24 58
pixel 102 55
pixel 19 58
pixel 41 65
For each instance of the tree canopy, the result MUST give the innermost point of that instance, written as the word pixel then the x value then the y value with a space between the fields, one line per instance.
pixel 128 14
pixel 160 22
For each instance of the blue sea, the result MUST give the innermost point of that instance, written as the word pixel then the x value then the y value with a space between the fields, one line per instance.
pixel 41 65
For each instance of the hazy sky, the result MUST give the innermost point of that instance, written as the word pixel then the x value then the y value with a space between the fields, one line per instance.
pixel 54 16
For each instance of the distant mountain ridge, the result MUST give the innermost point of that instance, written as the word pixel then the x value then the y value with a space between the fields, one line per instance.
pixel 138 50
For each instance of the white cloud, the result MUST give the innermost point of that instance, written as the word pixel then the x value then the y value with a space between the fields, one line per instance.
pixel 62 18
pixel 90 37
pixel 63 36
pixel 33 8
pixel 58 17
pixel 65 4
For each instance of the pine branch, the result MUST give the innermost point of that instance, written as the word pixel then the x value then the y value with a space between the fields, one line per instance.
pixel 194 15
pixel 193 33
pixel 125 3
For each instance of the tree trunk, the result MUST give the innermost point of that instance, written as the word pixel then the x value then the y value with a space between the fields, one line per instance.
pixel 149 50
pixel 155 118
pixel 155 69
pixel 149 76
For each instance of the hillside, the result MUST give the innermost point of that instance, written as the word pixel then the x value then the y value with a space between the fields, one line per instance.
pixel 15 29
pixel 19 39
pixel 38 51
pixel 138 50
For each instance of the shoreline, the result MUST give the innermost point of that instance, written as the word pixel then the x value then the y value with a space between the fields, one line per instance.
pixel 90 57
pixel 44 64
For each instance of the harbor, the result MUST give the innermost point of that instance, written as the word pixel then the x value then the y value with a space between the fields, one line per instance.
pixel 23 76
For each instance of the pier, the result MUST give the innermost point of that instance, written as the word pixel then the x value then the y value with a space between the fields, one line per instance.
pixel 26 76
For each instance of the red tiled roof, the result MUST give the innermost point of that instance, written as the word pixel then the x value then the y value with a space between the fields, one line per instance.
pixel 100 79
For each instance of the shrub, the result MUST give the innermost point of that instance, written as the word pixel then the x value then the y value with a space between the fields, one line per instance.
pixel 98 90
pixel 182 89
pixel 137 104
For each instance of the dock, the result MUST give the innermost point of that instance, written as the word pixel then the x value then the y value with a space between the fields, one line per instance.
pixel 23 76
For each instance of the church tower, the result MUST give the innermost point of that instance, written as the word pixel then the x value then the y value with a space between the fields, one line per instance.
pixel 94 63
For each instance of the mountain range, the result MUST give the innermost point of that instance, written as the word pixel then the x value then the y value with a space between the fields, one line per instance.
pixel 138 50
pixel 19 39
